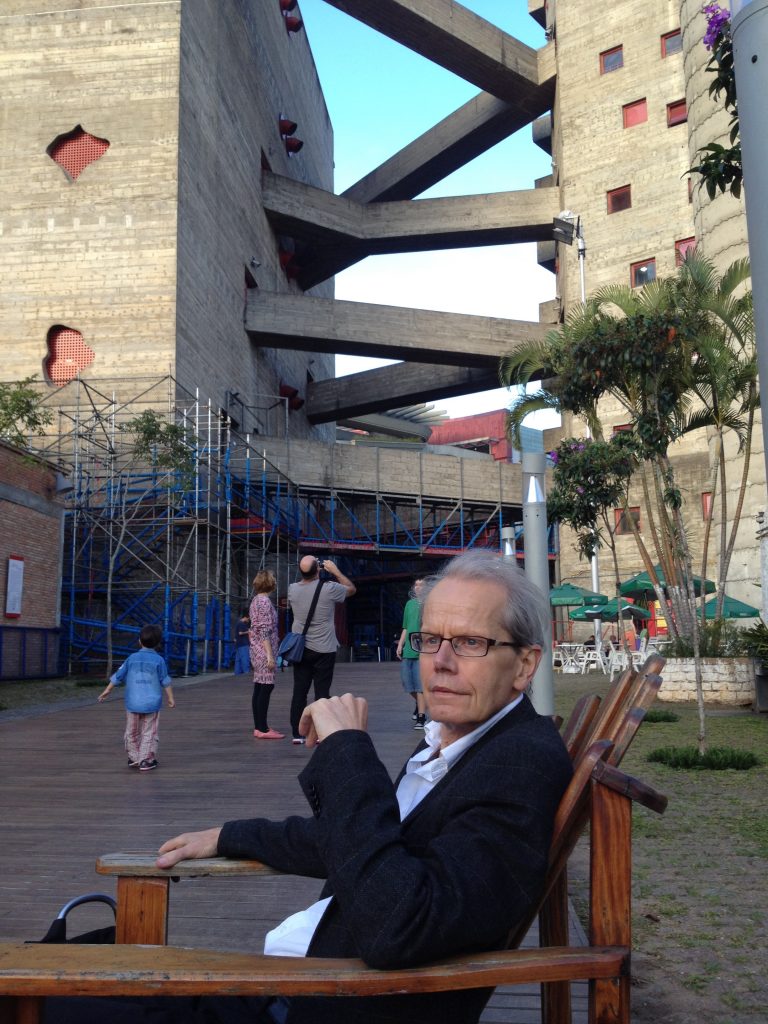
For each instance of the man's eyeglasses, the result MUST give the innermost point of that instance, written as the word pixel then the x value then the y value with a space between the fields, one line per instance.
pixel 463 646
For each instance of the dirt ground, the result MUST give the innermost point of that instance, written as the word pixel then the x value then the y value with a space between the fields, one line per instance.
pixel 700 906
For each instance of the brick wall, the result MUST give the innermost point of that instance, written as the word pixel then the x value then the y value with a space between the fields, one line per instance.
pixel 31 527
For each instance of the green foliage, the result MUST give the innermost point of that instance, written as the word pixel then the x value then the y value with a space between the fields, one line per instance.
pixel 715 759
pixel 720 166
pixel 655 715
pixel 756 641
pixel 161 444
pixel 20 412
pixel 590 478
pixel 718 638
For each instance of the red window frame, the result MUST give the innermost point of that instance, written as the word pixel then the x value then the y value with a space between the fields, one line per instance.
pixel 706 504
pixel 607 65
pixel 618 199
pixel 643 268
pixel 677 113
pixel 620 519
pixel 667 38
pixel 682 246
pixel 635 113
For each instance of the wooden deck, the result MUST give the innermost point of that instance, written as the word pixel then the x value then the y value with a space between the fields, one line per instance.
pixel 68 796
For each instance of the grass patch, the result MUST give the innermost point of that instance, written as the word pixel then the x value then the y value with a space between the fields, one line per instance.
pixel 754 829
pixel 660 715
pixel 716 759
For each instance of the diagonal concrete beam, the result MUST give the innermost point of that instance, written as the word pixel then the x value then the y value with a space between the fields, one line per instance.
pixel 470 130
pixel 283 321
pixel 314 215
pixel 454 37
pixel 390 387
pixel 391 425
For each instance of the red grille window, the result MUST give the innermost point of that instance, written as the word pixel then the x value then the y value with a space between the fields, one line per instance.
pixel 67 355
pixel 642 273
pixel 611 60
pixel 75 150
pixel 619 199
pixel 671 42
pixel 621 519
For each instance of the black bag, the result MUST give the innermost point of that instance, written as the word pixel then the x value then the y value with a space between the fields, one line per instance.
pixel 291 648
pixel 99 936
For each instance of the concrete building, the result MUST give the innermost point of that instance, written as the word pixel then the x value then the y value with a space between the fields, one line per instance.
pixel 170 234
pixel 631 110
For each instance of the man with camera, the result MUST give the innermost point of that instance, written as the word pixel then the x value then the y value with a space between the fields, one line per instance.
pixel 319 658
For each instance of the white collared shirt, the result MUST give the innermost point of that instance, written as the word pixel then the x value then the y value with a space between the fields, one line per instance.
pixel 422 773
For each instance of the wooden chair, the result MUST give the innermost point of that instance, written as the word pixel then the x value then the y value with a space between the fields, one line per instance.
pixel 599 794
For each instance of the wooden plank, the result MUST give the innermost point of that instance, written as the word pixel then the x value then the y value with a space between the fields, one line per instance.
pixel 142 910
pixel 142 864
pixel 146 970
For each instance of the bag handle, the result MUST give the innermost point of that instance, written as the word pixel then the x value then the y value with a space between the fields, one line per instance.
pixel 312 607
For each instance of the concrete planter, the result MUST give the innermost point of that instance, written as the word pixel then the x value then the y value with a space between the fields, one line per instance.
pixel 726 680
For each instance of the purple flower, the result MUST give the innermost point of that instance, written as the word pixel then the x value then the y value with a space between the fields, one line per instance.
pixel 718 22
pixel 555 457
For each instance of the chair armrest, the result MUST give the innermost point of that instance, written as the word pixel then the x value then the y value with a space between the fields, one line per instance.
pixel 72 970
pixel 133 865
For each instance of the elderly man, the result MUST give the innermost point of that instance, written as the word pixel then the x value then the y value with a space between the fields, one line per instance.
pixel 447 859
pixel 317 662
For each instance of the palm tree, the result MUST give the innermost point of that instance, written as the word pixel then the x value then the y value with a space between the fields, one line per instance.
pixel 677 355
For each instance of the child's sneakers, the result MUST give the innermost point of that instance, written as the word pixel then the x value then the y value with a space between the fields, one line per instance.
pixel 147 766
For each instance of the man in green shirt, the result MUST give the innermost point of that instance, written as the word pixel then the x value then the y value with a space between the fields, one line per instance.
pixel 409 659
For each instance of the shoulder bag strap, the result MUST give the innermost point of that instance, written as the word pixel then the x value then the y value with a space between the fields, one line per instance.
pixel 312 608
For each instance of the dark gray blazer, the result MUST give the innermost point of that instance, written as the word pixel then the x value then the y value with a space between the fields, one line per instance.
pixel 455 876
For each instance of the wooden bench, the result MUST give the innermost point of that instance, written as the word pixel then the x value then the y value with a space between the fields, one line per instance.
pixel 599 794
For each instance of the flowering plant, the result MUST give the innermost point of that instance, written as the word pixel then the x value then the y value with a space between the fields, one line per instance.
pixel 720 166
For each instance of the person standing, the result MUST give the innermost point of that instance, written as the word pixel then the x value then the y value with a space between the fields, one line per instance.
pixel 263 651
pixel 409 659
pixel 319 658
pixel 242 643
pixel 145 676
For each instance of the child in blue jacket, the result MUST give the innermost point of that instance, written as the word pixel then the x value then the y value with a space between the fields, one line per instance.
pixel 145 675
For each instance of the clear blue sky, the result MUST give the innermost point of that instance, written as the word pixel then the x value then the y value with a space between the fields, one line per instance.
pixel 380 97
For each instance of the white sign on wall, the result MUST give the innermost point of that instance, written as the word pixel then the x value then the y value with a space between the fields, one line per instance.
pixel 15 587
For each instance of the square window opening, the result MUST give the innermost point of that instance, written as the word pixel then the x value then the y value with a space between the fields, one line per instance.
pixel 622 519
pixel 642 273
pixel 671 42
pixel 677 113
pixel 635 113
pixel 682 247
pixel 611 60
pixel 619 199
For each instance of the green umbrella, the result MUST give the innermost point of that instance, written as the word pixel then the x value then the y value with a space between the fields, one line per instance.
pixel 567 594
pixel 641 585
pixel 609 612
pixel 732 609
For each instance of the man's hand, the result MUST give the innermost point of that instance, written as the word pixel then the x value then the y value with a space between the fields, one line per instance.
pixel 333 714
pixel 189 846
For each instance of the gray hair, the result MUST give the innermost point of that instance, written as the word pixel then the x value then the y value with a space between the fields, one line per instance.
pixel 525 610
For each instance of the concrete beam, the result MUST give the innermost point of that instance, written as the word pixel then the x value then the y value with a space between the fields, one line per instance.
pixel 390 387
pixel 473 129
pixel 314 215
pixel 454 37
pixel 365 329
pixel 393 426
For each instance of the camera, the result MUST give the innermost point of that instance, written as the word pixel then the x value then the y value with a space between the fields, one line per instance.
pixel 324 574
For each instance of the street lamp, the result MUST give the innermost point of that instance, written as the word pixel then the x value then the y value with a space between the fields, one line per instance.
pixel 749 31
pixel 537 568
pixel 565 227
